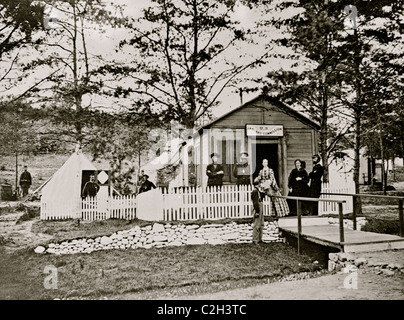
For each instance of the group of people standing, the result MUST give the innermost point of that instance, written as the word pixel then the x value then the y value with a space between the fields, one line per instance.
pixel 300 184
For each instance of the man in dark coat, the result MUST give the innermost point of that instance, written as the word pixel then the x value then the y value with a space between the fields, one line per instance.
pixel 315 183
pixel 215 172
pixel 25 181
pixel 242 170
pixel 146 184
pixel 258 215
pixel 90 188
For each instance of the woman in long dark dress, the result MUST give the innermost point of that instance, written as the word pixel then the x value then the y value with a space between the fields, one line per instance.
pixel 298 185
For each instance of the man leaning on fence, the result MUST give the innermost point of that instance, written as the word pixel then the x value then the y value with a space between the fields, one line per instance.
pixel 90 188
pixel 258 212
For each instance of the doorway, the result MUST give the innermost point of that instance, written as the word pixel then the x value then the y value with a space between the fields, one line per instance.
pixel 261 151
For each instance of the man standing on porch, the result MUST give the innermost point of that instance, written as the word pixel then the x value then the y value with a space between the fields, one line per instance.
pixel 242 170
pixel 215 172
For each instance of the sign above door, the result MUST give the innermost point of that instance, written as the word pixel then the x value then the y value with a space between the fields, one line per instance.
pixel 264 130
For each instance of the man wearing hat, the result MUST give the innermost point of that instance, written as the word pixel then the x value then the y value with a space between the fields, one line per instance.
pixel 242 170
pixel 257 196
pixel 146 184
pixel 25 181
pixel 315 183
pixel 215 172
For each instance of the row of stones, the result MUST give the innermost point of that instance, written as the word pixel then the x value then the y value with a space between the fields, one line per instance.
pixel 348 223
pixel 340 260
pixel 161 235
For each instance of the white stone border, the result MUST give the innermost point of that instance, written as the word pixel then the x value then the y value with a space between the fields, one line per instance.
pixel 162 235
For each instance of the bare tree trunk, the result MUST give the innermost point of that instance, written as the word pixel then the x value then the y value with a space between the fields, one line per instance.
pixel 357 143
pixel 323 137
pixel 16 172
pixel 357 133
pixel 76 89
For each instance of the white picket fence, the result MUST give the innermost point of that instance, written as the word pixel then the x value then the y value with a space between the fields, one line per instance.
pixel 118 207
pixel 332 207
pixel 211 203
pixel 188 203
pixel 91 209
pixel 59 210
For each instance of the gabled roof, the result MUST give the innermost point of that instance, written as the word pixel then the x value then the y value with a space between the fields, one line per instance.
pixel 274 101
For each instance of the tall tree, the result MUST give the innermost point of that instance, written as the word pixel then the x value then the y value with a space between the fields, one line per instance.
pixel 312 33
pixel 18 130
pixel 72 84
pixel 178 64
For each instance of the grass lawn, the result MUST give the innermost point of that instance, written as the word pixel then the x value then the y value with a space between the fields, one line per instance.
pixel 184 270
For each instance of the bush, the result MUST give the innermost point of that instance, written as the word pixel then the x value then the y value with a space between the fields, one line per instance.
pixel 382 226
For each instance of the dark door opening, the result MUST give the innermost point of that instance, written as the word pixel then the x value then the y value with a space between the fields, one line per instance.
pixel 261 151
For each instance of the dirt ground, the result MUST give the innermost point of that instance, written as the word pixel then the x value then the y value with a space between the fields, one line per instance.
pixel 370 284
pixel 18 235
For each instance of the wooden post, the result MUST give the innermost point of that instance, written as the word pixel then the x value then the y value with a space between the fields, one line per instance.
pixel 354 212
pixel 341 222
pixel 400 216
pixel 299 225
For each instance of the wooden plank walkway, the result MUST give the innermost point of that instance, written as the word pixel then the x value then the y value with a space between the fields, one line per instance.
pixel 318 230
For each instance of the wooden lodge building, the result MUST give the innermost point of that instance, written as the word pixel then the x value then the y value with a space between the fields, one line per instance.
pixel 265 128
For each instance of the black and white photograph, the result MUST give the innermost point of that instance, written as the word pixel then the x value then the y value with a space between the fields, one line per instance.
pixel 201 158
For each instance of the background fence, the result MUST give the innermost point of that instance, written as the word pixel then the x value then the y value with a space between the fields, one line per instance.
pixel 186 203
pixel 332 207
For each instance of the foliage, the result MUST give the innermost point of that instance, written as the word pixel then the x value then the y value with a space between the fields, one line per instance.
pixel 17 128
pixel 382 226
pixel 18 21
pixel 166 174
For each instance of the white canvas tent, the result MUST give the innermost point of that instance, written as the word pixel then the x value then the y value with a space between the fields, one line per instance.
pixel 61 194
